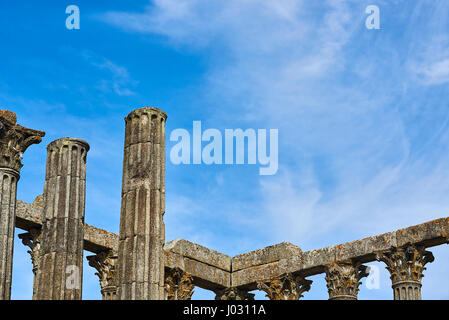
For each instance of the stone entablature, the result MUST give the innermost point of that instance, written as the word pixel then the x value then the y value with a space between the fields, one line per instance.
pixel 212 270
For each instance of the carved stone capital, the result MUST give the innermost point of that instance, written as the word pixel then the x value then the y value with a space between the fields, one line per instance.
pixel 343 279
pixel 285 287
pixel 405 264
pixel 233 294
pixel 105 263
pixel 14 140
pixel 32 240
pixel 178 285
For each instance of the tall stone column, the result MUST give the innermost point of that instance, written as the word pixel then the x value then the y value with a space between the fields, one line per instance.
pixel 106 264
pixel 406 266
pixel 141 241
pixel 285 287
pixel 61 257
pixel 343 280
pixel 14 141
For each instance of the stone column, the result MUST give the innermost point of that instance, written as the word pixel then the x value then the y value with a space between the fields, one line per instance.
pixel 285 287
pixel 106 264
pixel 141 241
pixel 233 294
pixel 179 285
pixel 61 260
pixel 406 266
pixel 14 141
pixel 343 279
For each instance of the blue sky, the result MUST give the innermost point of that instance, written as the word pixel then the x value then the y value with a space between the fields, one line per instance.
pixel 362 115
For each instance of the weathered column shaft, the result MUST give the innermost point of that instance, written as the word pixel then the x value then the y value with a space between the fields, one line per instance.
pixel 141 259
pixel 8 185
pixel 406 266
pixel 61 260
pixel 14 140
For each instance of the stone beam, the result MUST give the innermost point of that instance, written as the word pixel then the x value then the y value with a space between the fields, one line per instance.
pixel 313 262
pixel 210 269
pixel 28 217
pixel 264 256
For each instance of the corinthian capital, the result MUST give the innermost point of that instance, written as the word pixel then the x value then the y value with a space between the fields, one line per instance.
pixel 14 140
pixel 178 285
pixel 32 240
pixel 285 287
pixel 105 263
pixel 405 263
pixel 343 279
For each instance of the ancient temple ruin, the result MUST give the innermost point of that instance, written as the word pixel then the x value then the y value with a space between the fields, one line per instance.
pixel 137 264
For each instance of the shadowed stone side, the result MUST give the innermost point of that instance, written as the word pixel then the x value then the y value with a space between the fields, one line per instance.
pixel 14 141
pixel 61 261
pixel 142 235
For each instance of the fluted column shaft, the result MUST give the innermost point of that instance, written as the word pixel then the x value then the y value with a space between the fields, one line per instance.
pixel 14 141
pixel 61 257
pixel 32 240
pixel 142 234
pixel 8 185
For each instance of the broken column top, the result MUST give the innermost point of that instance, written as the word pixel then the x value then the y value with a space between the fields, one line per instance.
pixel 15 140
pixel 67 141
pixel 146 110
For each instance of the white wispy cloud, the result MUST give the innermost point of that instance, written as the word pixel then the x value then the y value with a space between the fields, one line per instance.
pixel 119 81
pixel 287 68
